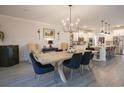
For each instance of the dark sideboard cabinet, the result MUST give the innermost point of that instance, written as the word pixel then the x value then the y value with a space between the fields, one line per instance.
pixel 9 55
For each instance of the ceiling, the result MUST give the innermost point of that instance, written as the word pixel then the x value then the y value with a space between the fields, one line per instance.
pixel 89 15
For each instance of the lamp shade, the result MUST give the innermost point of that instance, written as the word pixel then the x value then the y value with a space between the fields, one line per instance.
pixel 50 42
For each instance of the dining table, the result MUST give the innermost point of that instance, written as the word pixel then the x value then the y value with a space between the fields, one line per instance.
pixel 56 59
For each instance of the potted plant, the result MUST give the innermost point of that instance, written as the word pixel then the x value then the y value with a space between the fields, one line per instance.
pixel 1 35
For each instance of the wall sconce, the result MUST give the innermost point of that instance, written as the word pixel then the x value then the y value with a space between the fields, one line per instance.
pixel 58 35
pixel 2 36
pixel 38 33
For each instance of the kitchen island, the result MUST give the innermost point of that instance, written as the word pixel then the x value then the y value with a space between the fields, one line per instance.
pixel 106 52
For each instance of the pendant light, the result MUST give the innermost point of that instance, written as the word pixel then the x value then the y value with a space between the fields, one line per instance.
pixel 109 29
pixel 68 25
pixel 106 25
pixel 102 27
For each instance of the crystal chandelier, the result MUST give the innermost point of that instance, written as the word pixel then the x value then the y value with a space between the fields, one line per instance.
pixel 68 25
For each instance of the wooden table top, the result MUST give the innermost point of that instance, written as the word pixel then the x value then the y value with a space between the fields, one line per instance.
pixel 52 57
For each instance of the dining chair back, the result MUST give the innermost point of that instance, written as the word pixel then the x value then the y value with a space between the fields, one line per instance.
pixel 86 57
pixel 38 67
pixel 64 46
pixel 75 61
pixel 33 47
pixel 92 49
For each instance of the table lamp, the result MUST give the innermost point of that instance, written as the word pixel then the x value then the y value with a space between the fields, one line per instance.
pixel 50 42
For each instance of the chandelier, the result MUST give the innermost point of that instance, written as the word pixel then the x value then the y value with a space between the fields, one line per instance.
pixel 68 25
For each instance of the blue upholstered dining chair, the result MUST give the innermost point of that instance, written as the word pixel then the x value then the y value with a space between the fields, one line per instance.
pixel 92 49
pixel 73 63
pixel 39 68
pixel 86 57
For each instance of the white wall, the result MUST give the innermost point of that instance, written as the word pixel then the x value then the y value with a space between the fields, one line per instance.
pixel 119 32
pixel 21 32
pixel 84 34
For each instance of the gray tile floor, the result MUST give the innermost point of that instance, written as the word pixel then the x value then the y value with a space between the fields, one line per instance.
pixel 104 74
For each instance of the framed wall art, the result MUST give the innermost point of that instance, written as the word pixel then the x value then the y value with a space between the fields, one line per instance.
pixel 48 33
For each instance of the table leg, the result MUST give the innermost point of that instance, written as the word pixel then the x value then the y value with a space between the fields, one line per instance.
pixel 60 70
